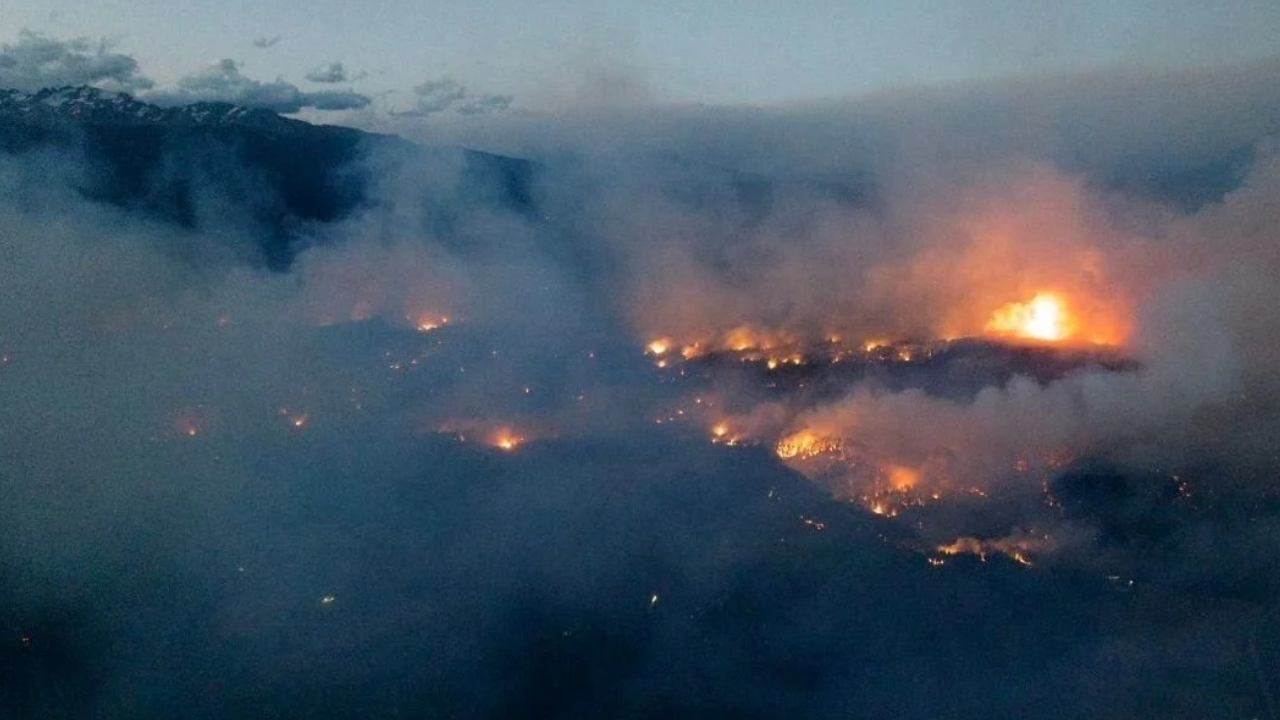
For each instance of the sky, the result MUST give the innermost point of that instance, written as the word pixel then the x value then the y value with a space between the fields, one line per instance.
pixel 512 55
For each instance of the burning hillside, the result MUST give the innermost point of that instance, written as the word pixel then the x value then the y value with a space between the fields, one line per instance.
pixel 908 428
pixel 926 434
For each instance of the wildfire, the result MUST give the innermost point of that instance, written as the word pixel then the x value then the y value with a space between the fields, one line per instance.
pixel 193 421
pixel 817 525
pixel 295 420
pixel 425 324
pixel 505 439
pixel 498 437
pixel 1045 317
pixel 780 351
pixel 1018 548
pixel 754 344
pixel 902 478
pixel 722 434
pixel 806 444
pixel 881 508
pixel 773 363
pixel 745 337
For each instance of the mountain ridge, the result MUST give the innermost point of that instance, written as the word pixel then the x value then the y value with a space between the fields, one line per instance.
pixel 288 174
pixel 85 103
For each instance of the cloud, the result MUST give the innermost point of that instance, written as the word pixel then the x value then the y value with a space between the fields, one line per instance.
pixel 334 100
pixel 434 96
pixel 36 61
pixel 332 72
pixel 223 82
pixel 437 96
pixel 485 104
pixel 263 41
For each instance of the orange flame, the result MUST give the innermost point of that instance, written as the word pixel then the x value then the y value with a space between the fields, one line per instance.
pixel 806 444
pixel 427 323
pixel 1045 318
pixel 505 439
pixel 902 478
pixel 658 347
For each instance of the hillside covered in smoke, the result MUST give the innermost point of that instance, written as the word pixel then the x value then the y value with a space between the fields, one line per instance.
pixel 282 174
pixel 953 402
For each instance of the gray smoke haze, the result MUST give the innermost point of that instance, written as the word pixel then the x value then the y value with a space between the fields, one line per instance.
pixel 232 491
pixel 433 97
pixel 1147 197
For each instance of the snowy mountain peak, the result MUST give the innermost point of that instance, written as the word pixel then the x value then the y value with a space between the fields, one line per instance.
pixel 88 104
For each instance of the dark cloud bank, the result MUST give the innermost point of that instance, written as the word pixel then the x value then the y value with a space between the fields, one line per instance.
pixel 36 61
pixel 223 82
pixel 243 477
pixel 332 72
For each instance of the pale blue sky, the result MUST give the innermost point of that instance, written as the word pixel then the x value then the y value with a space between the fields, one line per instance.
pixel 713 51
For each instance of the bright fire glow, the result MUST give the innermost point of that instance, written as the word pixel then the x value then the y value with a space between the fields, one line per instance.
pixel 722 434
pixel 879 507
pixel 1016 548
pixel 758 343
pixel 506 440
pixel 426 324
pixel 902 478
pixel 1045 317
pixel 806 444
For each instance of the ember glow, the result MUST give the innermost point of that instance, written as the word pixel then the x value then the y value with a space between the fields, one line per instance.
pixel 499 435
pixel 193 421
